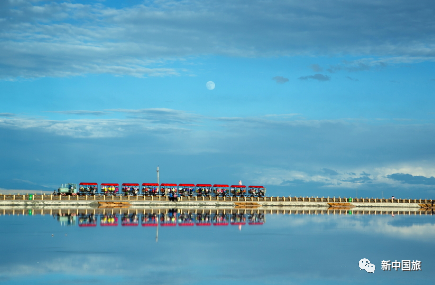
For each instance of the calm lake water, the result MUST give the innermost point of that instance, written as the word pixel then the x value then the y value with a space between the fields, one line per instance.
pixel 285 249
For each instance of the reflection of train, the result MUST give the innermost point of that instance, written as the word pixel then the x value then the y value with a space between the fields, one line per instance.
pixel 87 220
pixel 67 219
pixel 171 218
pixel 164 189
pixel 108 220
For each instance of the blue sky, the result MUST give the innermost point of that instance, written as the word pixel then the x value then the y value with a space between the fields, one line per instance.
pixel 310 98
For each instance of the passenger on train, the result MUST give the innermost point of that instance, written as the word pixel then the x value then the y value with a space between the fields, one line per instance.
pixel 238 218
pixel 87 219
pixel 185 218
pixel 149 219
pixel 109 219
pixel 256 218
pixel 202 218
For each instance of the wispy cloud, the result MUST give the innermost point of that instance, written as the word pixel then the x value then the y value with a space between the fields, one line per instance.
pixel 280 79
pixel 351 78
pixel 146 120
pixel 161 115
pixel 379 226
pixel 345 178
pixel 276 149
pixel 411 179
pixel 7 115
pixel 357 65
pixel 80 112
pixel 65 39
pixel 282 115
pixel 88 128
pixel 329 171
pixel 366 64
pixel 316 68
pixel 318 77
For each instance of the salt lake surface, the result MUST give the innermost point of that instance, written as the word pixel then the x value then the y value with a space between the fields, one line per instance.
pixel 285 249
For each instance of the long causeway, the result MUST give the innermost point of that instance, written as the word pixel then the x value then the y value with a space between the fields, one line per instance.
pixel 36 201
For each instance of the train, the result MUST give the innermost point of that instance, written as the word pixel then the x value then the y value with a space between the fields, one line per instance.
pixel 163 189
pixel 169 218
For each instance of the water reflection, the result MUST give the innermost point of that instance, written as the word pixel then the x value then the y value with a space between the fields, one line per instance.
pixel 108 220
pixel 67 219
pixel 203 219
pixel 238 219
pixel 149 220
pixel 130 220
pixel 186 219
pixel 220 219
pixel 88 220
pixel 198 247
pixel 170 218
pixel 256 219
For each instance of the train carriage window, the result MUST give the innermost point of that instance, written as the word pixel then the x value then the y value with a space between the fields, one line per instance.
pixel 185 190
pixel 109 189
pixel 221 190
pixel 150 189
pixel 203 190
pixel 131 189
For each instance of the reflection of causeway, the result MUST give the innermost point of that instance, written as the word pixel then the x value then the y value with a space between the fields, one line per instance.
pixel 190 216
pixel 166 218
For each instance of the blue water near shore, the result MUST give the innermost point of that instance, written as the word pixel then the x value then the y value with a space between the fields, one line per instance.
pixel 286 249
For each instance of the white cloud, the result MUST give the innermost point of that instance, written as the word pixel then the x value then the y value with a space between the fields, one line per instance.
pixel 7 115
pixel 280 79
pixel 426 170
pixel 277 149
pixel 98 128
pixel 161 115
pixel 66 39
pixel 84 265
pixel 80 112
pixel 377 225
pixel 345 177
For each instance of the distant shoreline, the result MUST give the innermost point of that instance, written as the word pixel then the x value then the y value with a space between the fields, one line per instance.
pixel 21 191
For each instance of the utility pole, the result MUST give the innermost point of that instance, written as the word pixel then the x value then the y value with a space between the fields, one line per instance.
pixel 157 230
pixel 158 215
pixel 158 182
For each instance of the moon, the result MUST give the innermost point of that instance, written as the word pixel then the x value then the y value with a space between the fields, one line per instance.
pixel 210 85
